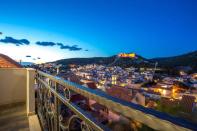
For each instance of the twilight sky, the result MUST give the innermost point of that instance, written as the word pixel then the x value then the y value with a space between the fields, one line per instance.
pixel 47 30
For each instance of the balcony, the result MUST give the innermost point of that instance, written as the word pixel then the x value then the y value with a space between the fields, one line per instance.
pixel 34 100
pixel 17 100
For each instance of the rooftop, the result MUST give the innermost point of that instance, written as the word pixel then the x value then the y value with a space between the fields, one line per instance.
pixel 7 62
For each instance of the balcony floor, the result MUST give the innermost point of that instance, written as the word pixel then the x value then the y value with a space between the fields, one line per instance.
pixel 13 118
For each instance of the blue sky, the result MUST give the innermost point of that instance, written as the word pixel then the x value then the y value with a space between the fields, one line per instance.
pixel 151 28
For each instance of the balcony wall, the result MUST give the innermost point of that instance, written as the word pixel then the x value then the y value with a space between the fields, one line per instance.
pixel 13 85
pixel 17 85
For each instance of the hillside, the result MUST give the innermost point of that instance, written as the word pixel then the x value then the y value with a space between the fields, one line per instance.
pixel 113 60
pixel 84 61
pixel 189 59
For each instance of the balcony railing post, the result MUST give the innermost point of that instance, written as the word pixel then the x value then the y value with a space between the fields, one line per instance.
pixel 57 110
pixel 30 94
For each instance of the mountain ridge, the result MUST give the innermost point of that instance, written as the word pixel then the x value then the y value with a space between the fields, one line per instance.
pixel 187 59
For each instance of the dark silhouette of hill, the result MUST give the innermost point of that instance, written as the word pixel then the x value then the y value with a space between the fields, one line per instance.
pixel 84 61
pixel 189 59
pixel 109 61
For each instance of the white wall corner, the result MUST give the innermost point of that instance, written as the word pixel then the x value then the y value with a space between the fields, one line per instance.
pixel 30 103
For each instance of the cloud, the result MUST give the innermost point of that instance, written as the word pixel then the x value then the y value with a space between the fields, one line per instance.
pixel 25 41
pixel 45 43
pixel 70 48
pixel 19 42
pixel 14 41
pixel 74 48
pixel 62 46
pixel 28 56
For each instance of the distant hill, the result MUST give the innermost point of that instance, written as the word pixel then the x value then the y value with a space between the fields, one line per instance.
pixel 84 61
pixel 113 60
pixel 189 59
pixel 26 63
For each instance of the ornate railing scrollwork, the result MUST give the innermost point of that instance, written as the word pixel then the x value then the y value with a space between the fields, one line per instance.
pixel 67 94
pixel 85 126
pixel 48 106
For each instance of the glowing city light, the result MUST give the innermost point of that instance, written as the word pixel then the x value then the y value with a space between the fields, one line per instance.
pixel 126 55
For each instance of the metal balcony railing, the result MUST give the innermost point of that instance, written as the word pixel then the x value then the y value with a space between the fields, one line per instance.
pixel 62 105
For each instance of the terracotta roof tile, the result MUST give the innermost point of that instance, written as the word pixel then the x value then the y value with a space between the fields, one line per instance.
pixel 7 62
